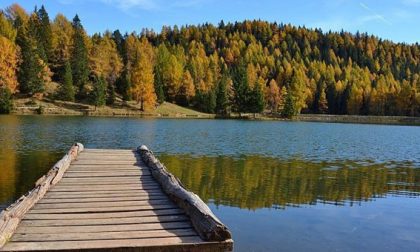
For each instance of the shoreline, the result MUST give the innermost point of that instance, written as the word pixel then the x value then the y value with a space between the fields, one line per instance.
pixel 172 111
pixel 325 118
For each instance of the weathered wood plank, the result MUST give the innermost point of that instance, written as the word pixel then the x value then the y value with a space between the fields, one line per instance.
pixel 139 164
pixel 31 216
pixel 109 244
pixel 152 234
pixel 10 217
pixel 99 183
pixel 82 170
pixel 81 175
pixel 208 226
pixel 72 195
pixel 111 172
pixel 103 199
pixel 107 193
pixel 89 150
pixel 105 188
pixel 103 228
pixel 109 179
pixel 104 221
pixel 109 203
pixel 106 162
pixel 103 210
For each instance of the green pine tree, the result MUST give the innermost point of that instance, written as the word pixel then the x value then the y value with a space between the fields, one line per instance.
pixel 241 89
pixel 66 92
pixel 257 99
pixel 29 74
pixel 289 109
pixel 5 100
pixel 222 98
pixel 46 34
pixel 123 85
pixel 79 57
pixel 99 92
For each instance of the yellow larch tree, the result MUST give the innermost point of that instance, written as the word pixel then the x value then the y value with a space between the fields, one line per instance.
pixel 142 77
pixel 8 64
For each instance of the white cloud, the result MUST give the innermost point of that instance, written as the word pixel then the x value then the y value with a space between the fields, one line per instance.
pixel 374 16
pixel 128 4
pixel 187 3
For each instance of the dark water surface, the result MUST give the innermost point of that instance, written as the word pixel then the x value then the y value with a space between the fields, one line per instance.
pixel 290 186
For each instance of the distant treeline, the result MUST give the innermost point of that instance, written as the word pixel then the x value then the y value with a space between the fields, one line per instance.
pixel 245 67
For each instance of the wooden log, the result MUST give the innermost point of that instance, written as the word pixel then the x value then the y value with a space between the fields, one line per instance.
pixel 207 225
pixel 11 216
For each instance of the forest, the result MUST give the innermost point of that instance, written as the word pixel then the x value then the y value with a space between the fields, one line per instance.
pixel 252 66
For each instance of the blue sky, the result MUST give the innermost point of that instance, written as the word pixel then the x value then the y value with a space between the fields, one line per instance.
pixel 398 20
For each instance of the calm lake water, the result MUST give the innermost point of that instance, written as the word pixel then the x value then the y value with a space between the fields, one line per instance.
pixel 290 186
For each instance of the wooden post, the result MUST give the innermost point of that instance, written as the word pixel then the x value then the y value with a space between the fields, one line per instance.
pixel 11 216
pixel 207 225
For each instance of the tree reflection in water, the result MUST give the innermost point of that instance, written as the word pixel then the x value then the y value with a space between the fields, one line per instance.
pixel 253 182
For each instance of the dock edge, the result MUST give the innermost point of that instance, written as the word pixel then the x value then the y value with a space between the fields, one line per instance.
pixel 207 225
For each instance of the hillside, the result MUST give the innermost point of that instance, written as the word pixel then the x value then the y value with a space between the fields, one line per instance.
pixel 243 67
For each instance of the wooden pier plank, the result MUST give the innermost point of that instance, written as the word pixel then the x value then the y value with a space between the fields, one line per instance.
pixel 103 215
pixel 108 199
pixel 187 243
pixel 103 228
pixel 105 235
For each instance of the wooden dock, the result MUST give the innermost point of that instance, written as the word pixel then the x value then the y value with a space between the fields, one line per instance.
pixel 118 200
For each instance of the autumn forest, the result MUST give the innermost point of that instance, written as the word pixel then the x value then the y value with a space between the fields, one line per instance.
pixel 242 67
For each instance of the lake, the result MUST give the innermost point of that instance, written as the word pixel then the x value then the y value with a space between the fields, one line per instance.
pixel 290 186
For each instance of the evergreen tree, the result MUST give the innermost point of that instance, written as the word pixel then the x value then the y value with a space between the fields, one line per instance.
pixel 5 100
pixel 99 92
pixel 222 98
pixel 45 33
pixel 79 57
pixel 256 99
pixel 241 88
pixel 123 85
pixel 161 69
pixel 66 92
pixel 31 68
pixel 289 109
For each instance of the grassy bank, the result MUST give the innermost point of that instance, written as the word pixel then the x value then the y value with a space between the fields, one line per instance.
pixel 169 110
pixel 47 107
